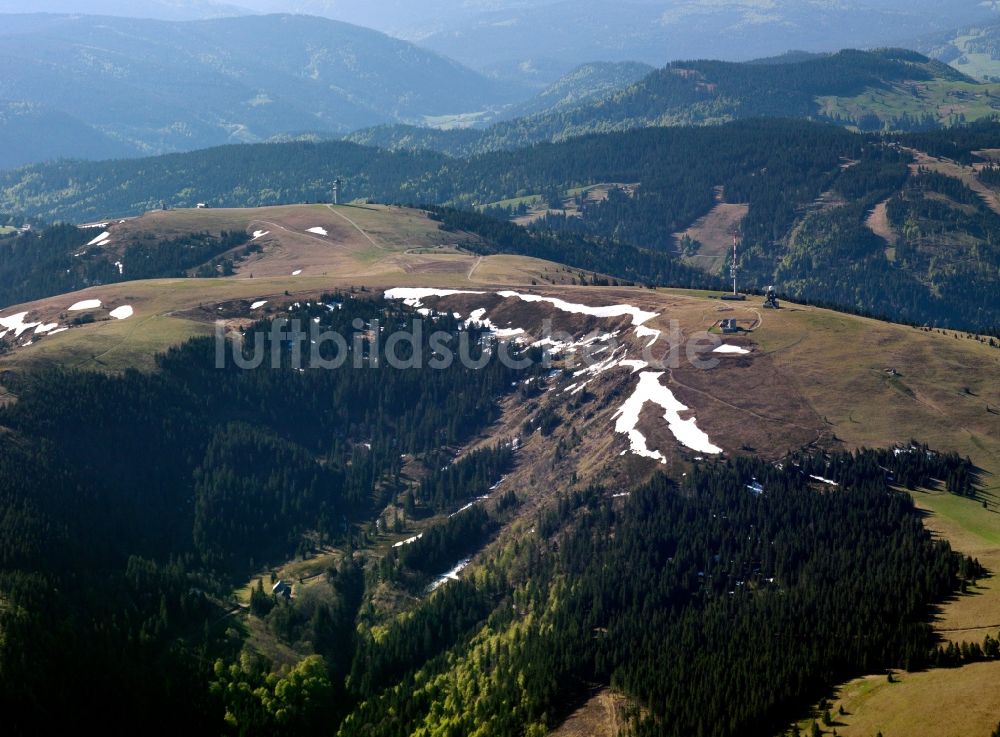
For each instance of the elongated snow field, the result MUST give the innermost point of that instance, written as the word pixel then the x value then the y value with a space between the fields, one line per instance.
pixel 687 432
pixel 731 349
pixel 100 240
pixel 412 296
pixel 451 575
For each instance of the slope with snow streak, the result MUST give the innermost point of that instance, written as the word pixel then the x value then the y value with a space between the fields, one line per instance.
pixel 451 575
pixel 17 324
pixel 87 304
pixel 687 432
pixel 412 296
pixel 100 240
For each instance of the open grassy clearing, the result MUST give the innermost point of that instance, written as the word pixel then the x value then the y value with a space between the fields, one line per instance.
pixel 959 702
pixel 975 64
pixel 878 223
pixel 945 98
pixel 600 716
pixel 714 231
pixel 966 174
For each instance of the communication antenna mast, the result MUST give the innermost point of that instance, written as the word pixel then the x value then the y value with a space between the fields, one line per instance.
pixel 336 191
pixel 733 268
pixel 733 271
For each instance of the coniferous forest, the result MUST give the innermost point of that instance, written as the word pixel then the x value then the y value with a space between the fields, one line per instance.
pixel 809 188
pixel 722 602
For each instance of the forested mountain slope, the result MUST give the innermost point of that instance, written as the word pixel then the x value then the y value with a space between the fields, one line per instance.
pixel 890 89
pixel 466 548
pixel 157 86
pixel 808 192
pixel 30 132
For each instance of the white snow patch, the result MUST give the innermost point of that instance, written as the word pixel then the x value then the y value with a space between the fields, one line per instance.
pixel 457 512
pixel 478 317
pixel 100 240
pixel 823 480
pixel 317 230
pixel 686 431
pixel 408 541
pixel 122 313
pixel 296 272
pixel 260 233
pixel 412 296
pixel 642 331
pixel 733 349
pixel 258 304
pixel 17 324
pixel 121 267
pixel 451 575
pixel 638 316
pixel 47 328
pixel 54 332
pixel 554 345
pixel 87 304
pixel 634 364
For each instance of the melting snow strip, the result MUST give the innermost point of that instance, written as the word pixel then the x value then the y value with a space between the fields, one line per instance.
pixel 733 349
pixel 687 432
pixel 258 304
pixel 638 316
pixel 823 480
pixel 412 296
pixel 100 240
pixel 317 230
pixel 87 304
pixel 451 575
pixel 408 541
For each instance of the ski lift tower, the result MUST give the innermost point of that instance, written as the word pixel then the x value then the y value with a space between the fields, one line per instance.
pixel 337 184
pixel 733 270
